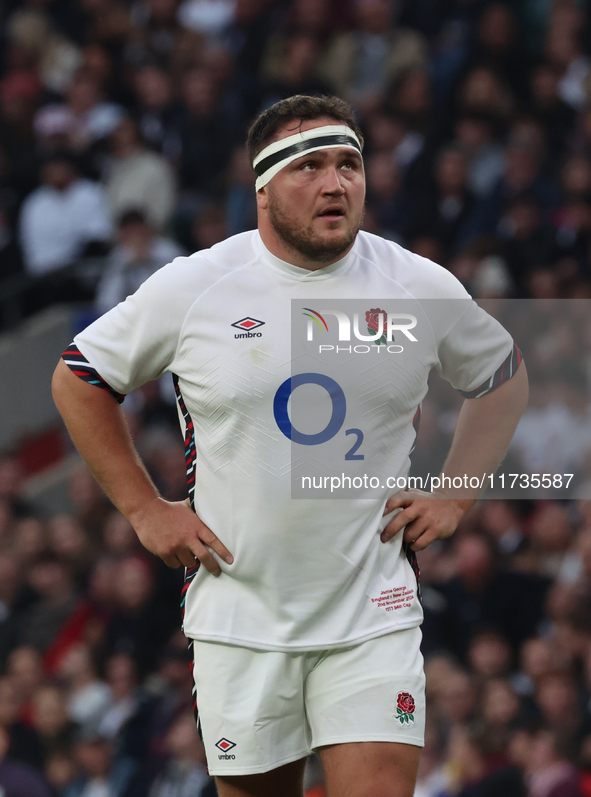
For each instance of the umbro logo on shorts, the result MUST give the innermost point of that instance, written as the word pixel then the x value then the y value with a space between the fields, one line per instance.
pixel 224 745
pixel 247 325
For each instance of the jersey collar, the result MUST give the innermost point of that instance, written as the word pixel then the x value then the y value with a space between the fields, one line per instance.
pixel 304 274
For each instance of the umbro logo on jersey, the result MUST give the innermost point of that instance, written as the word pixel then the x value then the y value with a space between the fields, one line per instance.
pixel 247 325
pixel 224 745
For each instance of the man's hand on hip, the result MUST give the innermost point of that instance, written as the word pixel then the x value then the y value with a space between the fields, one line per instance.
pixel 172 531
pixel 424 517
pixel 483 433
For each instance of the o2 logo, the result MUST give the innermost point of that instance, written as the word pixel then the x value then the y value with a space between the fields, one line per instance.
pixel 337 419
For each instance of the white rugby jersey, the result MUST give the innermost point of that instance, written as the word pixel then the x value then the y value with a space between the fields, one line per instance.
pixel 307 573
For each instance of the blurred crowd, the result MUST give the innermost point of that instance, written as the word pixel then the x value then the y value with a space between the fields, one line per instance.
pixel 122 129
pixel 95 675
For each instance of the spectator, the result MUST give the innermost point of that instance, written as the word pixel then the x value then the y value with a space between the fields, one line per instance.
pixel 576 178
pixel 388 132
pixel 500 709
pixel 11 579
pixel 550 773
pixel 90 503
pixel 241 205
pixel 99 65
pixel 82 120
pixel 208 227
pixel 116 777
pixel 11 486
pixel 527 241
pixel 204 136
pixel 523 175
pixel 550 535
pixel 296 75
pixel 361 63
pixel 432 777
pixel 497 47
pixel 558 700
pixel 209 17
pixel 58 58
pixel 484 155
pixel 137 179
pixel 503 520
pixel 581 143
pixel 119 537
pixel 121 677
pixel 454 700
pixel 137 255
pixel 385 195
pixel 29 541
pixel 483 92
pixel 156 32
pixel 409 96
pixel 70 543
pixel 88 696
pixel 483 594
pixel 565 54
pixel 59 220
pixel 490 655
pixel 18 779
pixel 186 771
pixel 156 111
pixel 538 657
pixel 245 39
pixel 60 770
pixel 24 744
pixel 50 719
pixel 20 93
pixel 445 210
pixel 142 624
pixel 549 109
pixel 477 777
pixel 25 668
pixel 52 582
pixel 314 20
pixel 11 260
pixel 492 279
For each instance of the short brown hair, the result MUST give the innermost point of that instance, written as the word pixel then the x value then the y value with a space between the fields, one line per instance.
pixel 302 107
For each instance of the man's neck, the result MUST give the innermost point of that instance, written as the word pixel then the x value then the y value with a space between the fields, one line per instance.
pixel 278 247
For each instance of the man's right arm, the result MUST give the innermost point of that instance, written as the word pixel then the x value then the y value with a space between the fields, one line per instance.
pixel 97 426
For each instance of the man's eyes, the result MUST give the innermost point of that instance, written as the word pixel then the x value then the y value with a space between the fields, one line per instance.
pixel 311 165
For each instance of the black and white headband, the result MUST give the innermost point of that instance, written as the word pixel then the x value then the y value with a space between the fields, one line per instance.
pixel 277 155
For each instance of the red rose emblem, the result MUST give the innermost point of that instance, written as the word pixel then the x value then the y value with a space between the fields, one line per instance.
pixel 406 702
pixel 372 320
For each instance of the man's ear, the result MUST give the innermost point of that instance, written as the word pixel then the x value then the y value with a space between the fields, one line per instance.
pixel 262 199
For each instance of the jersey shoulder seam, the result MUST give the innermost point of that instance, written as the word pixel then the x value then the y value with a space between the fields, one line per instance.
pixel 409 293
pixel 228 273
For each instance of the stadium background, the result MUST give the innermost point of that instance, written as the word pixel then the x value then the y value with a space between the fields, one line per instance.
pixel 122 124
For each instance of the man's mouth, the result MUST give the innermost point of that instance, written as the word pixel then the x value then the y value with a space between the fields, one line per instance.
pixel 333 212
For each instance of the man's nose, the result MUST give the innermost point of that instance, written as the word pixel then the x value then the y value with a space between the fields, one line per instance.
pixel 333 182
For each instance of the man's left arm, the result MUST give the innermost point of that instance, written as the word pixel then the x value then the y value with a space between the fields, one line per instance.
pixel 483 433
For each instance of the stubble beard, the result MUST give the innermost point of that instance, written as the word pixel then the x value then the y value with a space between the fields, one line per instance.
pixel 304 241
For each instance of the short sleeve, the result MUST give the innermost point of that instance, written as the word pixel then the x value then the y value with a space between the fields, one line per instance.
pixel 477 354
pixel 137 340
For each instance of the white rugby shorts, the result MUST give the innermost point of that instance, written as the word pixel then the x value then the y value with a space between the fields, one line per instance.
pixel 260 709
